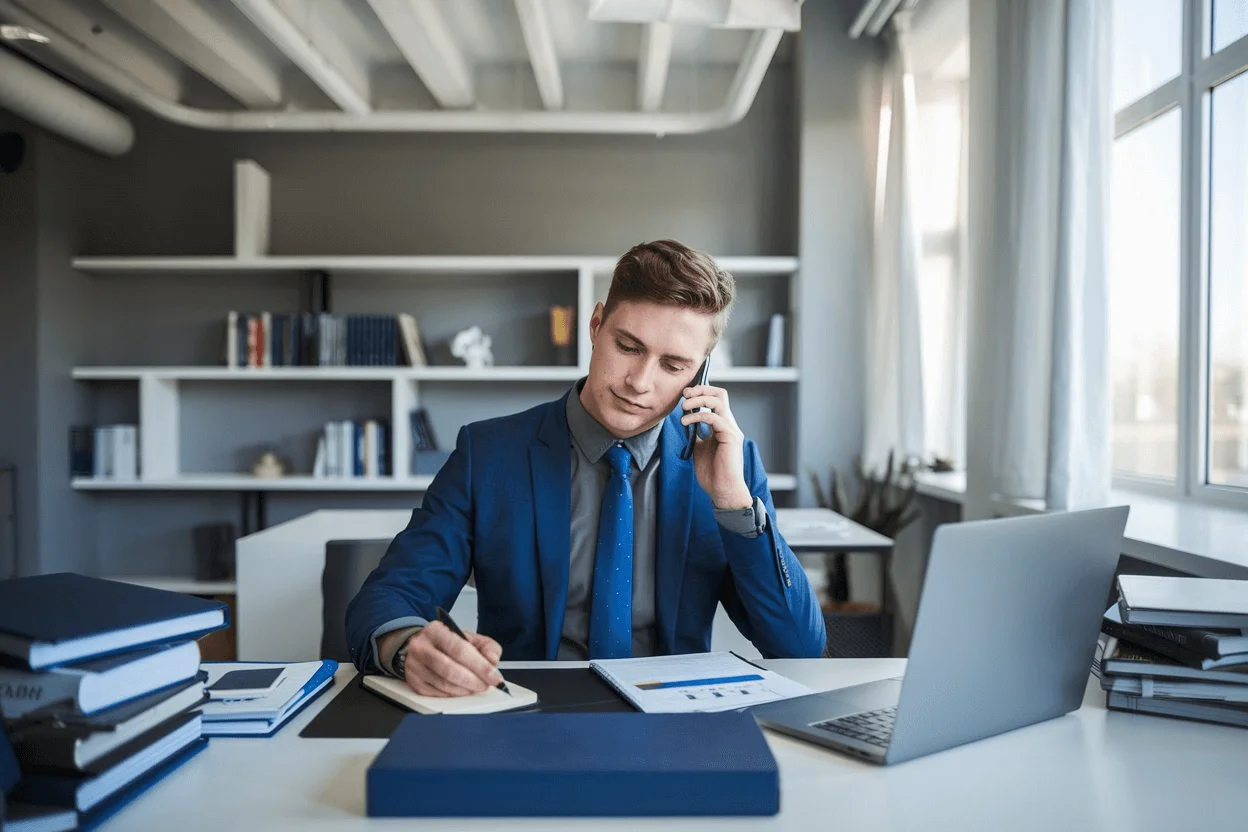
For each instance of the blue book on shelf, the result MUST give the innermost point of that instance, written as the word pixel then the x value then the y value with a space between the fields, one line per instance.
pixel 60 618
pixel 574 764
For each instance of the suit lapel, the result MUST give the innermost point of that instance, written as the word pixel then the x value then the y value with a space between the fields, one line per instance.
pixel 551 466
pixel 675 511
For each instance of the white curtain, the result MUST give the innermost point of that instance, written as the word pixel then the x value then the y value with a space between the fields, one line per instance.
pixel 1042 324
pixel 894 388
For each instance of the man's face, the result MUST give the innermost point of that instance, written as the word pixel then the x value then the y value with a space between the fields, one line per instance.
pixel 644 355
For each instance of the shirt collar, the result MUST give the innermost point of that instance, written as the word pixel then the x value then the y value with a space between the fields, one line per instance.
pixel 594 440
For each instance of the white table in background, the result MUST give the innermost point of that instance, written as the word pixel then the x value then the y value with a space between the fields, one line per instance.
pixel 1091 770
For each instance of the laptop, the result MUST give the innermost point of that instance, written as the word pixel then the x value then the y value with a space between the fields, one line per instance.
pixel 1004 637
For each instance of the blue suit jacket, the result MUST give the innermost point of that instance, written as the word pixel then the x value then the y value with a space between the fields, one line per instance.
pixel 500 508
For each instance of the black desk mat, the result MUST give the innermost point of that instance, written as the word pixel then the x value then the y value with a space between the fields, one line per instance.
pixel 357 712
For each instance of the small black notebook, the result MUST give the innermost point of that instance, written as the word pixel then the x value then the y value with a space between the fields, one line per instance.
pixel 357 713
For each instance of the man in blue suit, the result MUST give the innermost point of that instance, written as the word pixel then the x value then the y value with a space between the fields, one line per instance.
pixel 587 531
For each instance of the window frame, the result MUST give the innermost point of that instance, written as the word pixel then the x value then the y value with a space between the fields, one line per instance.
pixel 1191 93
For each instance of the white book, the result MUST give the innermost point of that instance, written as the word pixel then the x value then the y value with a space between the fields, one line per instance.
pixel 370 448
pixel 331 450
pixel 775 341
pixel 490 701
pixel 231 339
pixel 346 448
pixel 251 209
pixel 412 347
pixel 318 464
pixel 125 450
pixel 695 682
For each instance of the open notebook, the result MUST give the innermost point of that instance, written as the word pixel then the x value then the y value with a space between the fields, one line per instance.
pixel 489 702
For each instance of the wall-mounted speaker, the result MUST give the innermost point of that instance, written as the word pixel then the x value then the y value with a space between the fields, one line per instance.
pixel 12 151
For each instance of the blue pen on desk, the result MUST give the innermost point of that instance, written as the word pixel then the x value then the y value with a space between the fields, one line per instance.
pixel 445 618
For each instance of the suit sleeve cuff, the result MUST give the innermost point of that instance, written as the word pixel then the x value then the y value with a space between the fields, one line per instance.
pixel 412 622
pixel 747 522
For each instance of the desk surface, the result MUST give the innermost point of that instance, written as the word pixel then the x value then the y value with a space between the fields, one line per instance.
pixel 824 529
pixel 1091 770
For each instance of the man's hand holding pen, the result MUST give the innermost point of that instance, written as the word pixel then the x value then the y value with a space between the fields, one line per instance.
pixel 441 663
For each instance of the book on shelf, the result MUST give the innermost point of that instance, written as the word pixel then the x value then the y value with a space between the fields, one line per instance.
pixel 108 452
pixel 349 449
pixel 269 339
pixel 775 340
pixel 1168 601
pixel 413 347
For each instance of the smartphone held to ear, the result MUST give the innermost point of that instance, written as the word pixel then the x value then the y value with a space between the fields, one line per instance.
pixel 697 430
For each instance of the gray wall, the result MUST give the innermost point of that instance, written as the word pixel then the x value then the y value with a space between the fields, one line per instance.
pixel 838 103
pixel 66 309
pixel 18 292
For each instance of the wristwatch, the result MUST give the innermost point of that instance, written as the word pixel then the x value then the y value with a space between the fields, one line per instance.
pixel 398 665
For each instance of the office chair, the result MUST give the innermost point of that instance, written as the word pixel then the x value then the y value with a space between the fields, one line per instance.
pixel 347 564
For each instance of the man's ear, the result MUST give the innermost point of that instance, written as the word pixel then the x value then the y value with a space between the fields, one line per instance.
pixel 595 321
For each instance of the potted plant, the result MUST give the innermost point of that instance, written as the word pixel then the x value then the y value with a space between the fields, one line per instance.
pixel 884 503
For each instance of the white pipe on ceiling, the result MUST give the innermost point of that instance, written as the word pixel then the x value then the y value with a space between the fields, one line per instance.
pixel 49 102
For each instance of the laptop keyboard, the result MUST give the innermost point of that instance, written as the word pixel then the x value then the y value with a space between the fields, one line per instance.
pixel 872 727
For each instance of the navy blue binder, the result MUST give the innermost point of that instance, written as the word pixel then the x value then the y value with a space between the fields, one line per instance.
pixel 50 620
pixel 574 764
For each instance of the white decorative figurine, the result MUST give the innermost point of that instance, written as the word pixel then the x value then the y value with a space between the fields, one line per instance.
pixel 473 346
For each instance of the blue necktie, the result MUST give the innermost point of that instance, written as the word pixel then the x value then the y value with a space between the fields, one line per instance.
pixel 611 610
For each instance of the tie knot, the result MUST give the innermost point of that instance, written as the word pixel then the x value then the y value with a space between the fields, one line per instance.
pixel 619 458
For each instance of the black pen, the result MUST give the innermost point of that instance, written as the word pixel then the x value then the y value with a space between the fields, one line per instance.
pixel 445 618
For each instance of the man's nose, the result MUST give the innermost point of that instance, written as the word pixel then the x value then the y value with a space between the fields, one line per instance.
pixel 641 377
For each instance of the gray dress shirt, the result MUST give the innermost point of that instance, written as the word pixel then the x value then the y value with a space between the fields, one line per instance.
pixel 589 442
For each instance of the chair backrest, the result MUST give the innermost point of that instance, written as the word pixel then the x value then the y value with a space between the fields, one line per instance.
pixel 347 564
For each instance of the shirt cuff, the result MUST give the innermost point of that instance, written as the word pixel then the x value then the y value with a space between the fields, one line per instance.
pixel 412 622
pixel 747 522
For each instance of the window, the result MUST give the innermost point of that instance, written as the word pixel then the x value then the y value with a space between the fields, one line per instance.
pixel 1178 264
pixel 1144 299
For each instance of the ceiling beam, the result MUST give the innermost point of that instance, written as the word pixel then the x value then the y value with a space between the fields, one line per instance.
pixel 719 14
pixel 538 39
pixel 656 56
pixel 316 49
pixel 208 45
pixel 422 35
pixel 124 49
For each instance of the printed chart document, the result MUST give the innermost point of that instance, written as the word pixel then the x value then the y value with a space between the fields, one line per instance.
pixel 695 682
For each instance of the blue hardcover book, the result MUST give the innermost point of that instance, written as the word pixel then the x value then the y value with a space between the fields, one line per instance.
pixel 50 620
pixel 9 771
pixel 106 809
pixel 574 764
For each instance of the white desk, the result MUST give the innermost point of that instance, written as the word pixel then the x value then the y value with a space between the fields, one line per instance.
pixel 279 572
pixel 1092 770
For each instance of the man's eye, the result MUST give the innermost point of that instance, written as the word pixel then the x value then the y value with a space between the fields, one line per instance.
pixel 626 348
pixel 672 368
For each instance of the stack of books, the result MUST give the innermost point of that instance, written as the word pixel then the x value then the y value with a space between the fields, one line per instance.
pixel 100 688
pixel 255 699
pixel 1177 647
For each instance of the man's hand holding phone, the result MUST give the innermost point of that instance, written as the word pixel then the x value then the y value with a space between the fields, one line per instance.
pixel 718 461
pixel 440 663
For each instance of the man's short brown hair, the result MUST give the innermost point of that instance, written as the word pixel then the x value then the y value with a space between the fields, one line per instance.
pixel 673 274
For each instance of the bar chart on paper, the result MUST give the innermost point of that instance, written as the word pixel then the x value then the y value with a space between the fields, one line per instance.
pixel 700 682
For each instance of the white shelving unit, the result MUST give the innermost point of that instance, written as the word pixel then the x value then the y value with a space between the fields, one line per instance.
pixel 159 388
